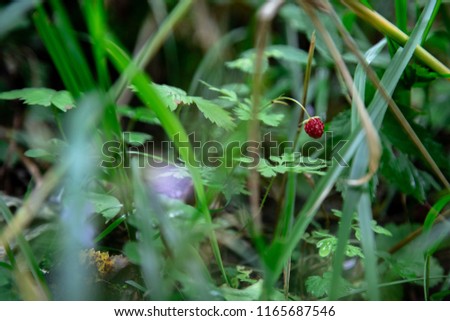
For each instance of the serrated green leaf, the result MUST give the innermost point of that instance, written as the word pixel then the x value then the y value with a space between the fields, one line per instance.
pixel 403 143
pixel 240 275
pixel 352 251
pixel 226 93
pixel 105 204
pixel 399 170
pixel 219 178
pixel 270 118
pixel 242 109
pixel 380 230
pixel 246 62
pixel 31 96
pixel 215 113
pixel 63 100
pixel 288 163
pixel 276 159
pixel 46 97
pixel 326 246
pixel 413 269
pixel 172 96
pixel 318 286
pixel 265 169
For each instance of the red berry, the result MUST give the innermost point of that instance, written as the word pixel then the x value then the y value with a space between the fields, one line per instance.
pixel 314 127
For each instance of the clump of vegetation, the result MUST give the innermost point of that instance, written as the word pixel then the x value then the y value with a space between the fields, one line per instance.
pixel 298 154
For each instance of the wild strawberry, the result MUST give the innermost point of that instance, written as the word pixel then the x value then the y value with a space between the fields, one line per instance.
pixel 314 127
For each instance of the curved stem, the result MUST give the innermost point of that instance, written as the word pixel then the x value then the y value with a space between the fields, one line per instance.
pixel 279 100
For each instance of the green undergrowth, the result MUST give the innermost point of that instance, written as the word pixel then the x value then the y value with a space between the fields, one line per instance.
pixel 129 176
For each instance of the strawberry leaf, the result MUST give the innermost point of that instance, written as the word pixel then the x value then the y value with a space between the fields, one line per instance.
pixel 215 113
pixel 46 97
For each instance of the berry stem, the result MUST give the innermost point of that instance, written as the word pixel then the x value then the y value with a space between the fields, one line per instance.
pixel 279 100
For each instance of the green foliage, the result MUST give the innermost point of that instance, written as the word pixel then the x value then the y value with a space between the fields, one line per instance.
pixel 62 100
pixel 224 181
pixel 215 113
pixel 434 212
pixel 139 114
pixel 327 243
pixel 408 263
pixel 280 52
pixel 399 170
pixel 250 293
pixel 174 97
pixel 164 239
pixel 106 205
pixel 241 276
pixel 287 163
pixel 242 107
pixel 50 150
pixel 318 286
pixel 299 20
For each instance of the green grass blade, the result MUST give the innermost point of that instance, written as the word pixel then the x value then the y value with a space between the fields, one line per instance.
pixel 279 251
pixel 431 21
pixel 211 58
pixel 70 62
pixel 26 250
pixel 361 78
pixel 151 47
pixel 427 226
pixel 94 12
pixel 401 14
pixel 351 201
pixel 369 247
pixel 434 212
pixel 174 130
pixel 426 277
pixel 111 227
pixel 71 46
pixel 53 45
pixel 285 223
pixel 357 199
